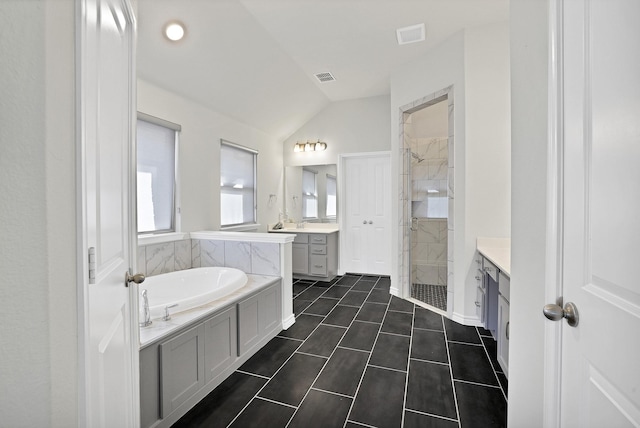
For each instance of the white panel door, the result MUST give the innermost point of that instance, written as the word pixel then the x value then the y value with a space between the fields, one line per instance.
pixel 366 235
pixel 600 375
pixel 107 111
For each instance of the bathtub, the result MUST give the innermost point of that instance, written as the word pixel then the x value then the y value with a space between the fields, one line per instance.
pixel 189 288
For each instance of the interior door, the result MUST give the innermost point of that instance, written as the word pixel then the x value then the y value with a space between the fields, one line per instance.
pixel 107 162
pixel 600 375
pixel 366 235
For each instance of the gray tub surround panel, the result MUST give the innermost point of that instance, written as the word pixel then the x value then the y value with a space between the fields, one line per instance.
pixel 184 359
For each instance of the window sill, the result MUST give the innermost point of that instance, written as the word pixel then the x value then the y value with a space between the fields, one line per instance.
pixel 161 238
pixel 241 228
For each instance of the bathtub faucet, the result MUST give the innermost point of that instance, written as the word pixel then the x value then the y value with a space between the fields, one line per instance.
pixel 147 315
pixel 167 315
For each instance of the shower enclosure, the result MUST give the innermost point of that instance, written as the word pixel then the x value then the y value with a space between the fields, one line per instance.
pixel 427 151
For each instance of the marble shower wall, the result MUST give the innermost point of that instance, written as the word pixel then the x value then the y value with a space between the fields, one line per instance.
pixel 429 251
pixel 260 258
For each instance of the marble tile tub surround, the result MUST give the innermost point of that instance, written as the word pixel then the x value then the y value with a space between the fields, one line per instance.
pixel 251 254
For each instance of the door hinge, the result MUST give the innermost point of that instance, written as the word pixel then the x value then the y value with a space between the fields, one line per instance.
pixel 92 265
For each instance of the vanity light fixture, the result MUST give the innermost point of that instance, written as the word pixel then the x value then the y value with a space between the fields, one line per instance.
pixel 318 146
pixel 174 31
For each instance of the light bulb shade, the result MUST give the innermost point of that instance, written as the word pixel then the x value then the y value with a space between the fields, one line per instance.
pixel 308 147
pixel 321 146
pixel 174 31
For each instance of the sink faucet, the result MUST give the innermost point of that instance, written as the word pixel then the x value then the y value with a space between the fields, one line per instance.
pixel 300 225
pixel 147 315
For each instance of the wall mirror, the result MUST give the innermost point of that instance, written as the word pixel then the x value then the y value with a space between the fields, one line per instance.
pixel 311 193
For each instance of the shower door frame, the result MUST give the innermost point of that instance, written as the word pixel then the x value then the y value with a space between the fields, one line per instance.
pixel 405 216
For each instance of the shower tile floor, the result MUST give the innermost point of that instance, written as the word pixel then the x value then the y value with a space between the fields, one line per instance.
pixel 359 357
pixel 434 295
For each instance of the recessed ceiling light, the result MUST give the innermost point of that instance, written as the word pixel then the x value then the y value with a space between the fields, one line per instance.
pixel 174 31
pixel 411 34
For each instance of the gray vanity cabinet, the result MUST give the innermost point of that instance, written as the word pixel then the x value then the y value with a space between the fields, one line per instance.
pixel 503 323
pixel 315 256
pixel 257 315
pixel 182 365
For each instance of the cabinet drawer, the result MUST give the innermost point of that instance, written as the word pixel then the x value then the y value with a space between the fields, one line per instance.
pixel 317 239
pixel 318 265
pixel 318 249
pixel 504 285
pixel 490 268
pixel 301 238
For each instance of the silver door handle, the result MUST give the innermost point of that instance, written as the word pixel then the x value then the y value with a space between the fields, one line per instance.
pixel 370 222
pixel 364 221
pixel 556 313
pixel 137 278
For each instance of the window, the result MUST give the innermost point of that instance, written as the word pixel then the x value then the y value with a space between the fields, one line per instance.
pixel 237 185
pixel 331 196
pixel 156 174
pixel 309 194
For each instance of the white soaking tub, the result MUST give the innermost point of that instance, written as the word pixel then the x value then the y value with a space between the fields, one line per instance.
pixel 189 288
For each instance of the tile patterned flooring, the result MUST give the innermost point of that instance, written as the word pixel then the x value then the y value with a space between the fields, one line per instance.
pixel 359 357
pixel 434 295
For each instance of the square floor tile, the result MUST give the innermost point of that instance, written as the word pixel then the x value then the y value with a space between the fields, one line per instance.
pixel 343 372
pixel 430 390
pixel 312 293
pixel 341 315
pixel 303 326
pixel 323 340
pixel 300 305
pixel 400 305
pixel 397 323
pixel 379 296
pixel 427 319
pixel 270 358
pixel 293 380
pixel 480 405
pixel 360 335
pixel 380 398
pixel 461 333
pixel 363 286
pixel 336 292
pixel 348 280
pixel 384 283
pixel 321 306
pixel 419 420
pixel 261 413
pixel 429 345
pixel 372 312
pixel 391 351
pixel 470 363
pixel 321 409
pixel 223 404
pixel 354 298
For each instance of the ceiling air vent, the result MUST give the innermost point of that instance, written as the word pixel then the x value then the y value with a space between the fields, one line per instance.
pixel 411 34
pixel 325 77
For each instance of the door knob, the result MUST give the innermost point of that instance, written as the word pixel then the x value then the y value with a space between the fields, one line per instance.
pixel 137 278
pixel 370 222
pixel 364 221
pixel 556 313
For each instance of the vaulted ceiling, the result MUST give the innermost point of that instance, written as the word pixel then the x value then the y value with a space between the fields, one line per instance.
pixel 255 60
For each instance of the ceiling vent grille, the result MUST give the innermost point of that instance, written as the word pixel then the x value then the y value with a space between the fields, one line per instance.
pixel 325 77
pixel 411 34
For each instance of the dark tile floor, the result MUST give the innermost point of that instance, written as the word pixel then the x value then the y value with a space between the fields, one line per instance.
pixel 358 357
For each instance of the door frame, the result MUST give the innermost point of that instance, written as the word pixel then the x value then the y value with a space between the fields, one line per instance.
pixel 82 247
pixel 341 202
pixel 554 229
pixel 404 207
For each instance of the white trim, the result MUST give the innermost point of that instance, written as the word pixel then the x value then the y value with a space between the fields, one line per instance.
pixel 162 238
pixel 553 272
pixel 158 121
pixel 279 238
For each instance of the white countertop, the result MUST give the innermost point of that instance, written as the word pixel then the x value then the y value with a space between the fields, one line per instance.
pixel 322 228
pixel 160 329
pixel 498 251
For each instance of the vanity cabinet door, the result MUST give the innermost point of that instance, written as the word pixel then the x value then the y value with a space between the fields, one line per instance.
pixel 300 258
pixel 503 336
pixel 480 306
pixel 182 363
pixel 318 265
pixel 220 343
pixel 257 316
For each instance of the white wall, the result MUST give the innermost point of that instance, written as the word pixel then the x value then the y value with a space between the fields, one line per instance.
pixel 529 101
pixel 38 320
pixel 199 157
pixel 351 126
pixel 476 63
